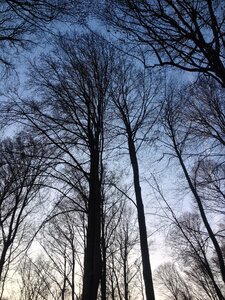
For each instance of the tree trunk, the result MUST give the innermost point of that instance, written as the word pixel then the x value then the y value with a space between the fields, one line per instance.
pixel 125 271
pixel 6 246
pixel 202 212
pixel 204 218
pixel 208 228
pixel 73 273
pixel 103 272
pixel 92 260
pixel 147 274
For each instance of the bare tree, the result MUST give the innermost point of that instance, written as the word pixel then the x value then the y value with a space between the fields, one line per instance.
pixel 180 141
pixel 22 173
pixel 168 277
pixel 137 111
pixel 111 213
pixel 192 250
pixel 190 241
pixel 34 280
pixel 122 263
pixel 75 87
pixel 188 35
pixel 206 110
pixel 21 20
pixel 63 241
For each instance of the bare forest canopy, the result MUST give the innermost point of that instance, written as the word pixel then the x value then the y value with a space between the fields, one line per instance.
pixel 112 169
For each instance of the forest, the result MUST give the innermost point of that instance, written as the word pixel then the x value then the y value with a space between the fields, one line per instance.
pixel 112 169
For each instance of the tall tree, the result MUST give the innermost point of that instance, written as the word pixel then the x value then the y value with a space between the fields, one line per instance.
pixel 74 85
pixel 180 141
pixel 191 248
pixel 189 241
pixel 61 241
pixel 22 174
pixel 137 110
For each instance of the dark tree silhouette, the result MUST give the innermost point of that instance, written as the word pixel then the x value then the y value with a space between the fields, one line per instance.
pixel 189 35
pixel 75 87
pixel 137 111
pixel 169 278
pixel 23 169
pixel 180 140
pixel 21 20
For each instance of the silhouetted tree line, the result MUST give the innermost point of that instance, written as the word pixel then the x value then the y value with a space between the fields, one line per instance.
pixel 94 105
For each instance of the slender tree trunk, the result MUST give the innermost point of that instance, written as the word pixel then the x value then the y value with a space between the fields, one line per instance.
pixel 103 276
pixel 92 261
pixel 3 258
pixel 117 286
pixel 203 216
pixel 103 273
pixel 125 271
pixel 147 274
pixel 201 210
pixel 112 289
pixel 2 261
pixel 73 273
pixel 64 278
pixel 209 230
